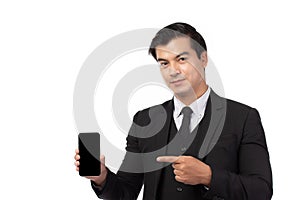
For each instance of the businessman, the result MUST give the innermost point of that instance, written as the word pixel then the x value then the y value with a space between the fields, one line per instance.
pixel 208 147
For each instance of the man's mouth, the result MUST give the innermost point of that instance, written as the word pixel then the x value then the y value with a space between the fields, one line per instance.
pixel 177 81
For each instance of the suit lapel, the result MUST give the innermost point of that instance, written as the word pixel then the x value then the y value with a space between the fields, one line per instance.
pixel 164 133
pixel 218 114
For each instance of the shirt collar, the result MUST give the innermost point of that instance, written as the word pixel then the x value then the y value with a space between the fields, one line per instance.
pixel 198 106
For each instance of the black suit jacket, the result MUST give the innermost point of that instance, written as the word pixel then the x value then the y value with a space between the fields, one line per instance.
pixel 234 147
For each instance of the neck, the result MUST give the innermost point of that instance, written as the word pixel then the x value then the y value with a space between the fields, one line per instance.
pixel 192 96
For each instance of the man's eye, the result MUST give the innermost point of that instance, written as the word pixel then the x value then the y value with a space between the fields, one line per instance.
pixel 182 59
pixel 163 64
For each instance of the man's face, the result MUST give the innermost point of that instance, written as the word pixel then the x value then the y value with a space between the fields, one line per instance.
pixel 181 68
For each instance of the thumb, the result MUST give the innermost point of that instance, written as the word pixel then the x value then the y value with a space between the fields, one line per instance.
pixel 102 161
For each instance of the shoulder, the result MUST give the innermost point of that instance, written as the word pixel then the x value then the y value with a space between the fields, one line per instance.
pixel 235 108
pixel 143 116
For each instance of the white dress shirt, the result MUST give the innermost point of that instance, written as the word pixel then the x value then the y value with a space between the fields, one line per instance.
pixel 198 107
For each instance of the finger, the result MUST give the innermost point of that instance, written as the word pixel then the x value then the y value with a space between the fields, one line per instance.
pixel 77 157
pixel 181 159
pixel 168 159
pixel 102 160
pixel 179 179
pixel 177 172
pixel 77 163
pixel 77 169
pixel 176 165
pixel 77 151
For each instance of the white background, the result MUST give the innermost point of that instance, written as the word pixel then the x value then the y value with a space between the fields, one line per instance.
pixel 254 45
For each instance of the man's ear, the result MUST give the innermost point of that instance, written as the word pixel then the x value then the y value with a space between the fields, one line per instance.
pixel 204 58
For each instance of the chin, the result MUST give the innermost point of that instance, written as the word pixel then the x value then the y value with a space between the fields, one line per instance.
pixel 185 93
pixel 180 91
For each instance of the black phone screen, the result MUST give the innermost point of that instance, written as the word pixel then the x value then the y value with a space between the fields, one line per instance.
pixel 89 151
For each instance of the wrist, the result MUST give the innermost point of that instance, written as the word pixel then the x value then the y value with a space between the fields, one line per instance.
pixel 207 177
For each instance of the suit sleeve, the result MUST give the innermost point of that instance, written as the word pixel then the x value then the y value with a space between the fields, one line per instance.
pixel 125 184
pixel 254 179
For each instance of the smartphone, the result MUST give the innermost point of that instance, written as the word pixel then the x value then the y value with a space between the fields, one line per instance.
pixel 89 151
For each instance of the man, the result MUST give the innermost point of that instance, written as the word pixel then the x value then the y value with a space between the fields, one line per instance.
pixel 216 147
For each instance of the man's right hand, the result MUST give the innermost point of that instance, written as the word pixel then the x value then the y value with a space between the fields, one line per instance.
pixel 99 180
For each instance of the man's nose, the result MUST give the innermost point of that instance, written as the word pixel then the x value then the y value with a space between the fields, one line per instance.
pixel 174 69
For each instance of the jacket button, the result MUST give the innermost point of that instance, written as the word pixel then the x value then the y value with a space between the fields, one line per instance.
pixel 179 189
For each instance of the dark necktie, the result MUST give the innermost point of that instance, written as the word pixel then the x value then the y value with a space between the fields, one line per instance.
pixel 184 129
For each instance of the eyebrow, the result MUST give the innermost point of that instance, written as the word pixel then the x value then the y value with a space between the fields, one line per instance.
pixel 181 54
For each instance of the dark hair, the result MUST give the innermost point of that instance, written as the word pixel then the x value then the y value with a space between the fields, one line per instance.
pixel 176 30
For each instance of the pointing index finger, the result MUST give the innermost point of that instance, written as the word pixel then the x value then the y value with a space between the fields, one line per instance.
pixel 168 159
